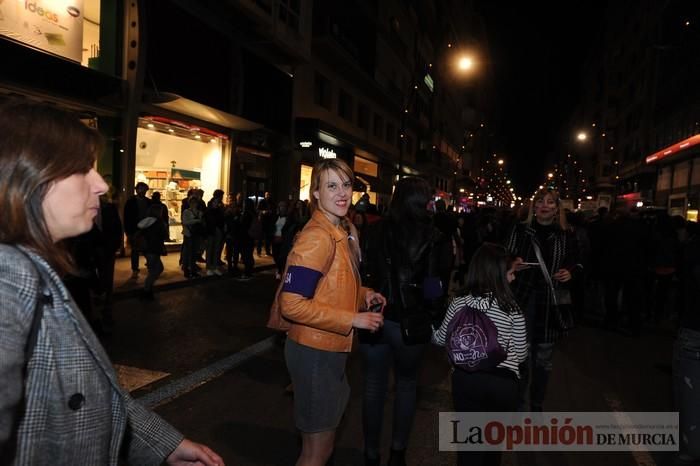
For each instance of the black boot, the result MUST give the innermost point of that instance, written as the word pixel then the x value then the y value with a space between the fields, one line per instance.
pixel 397 458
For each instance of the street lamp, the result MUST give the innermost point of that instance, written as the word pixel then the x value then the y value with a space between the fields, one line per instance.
pixel 465 63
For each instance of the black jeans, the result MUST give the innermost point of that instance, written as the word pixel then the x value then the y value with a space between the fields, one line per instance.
pixel 379 357
pixel 155 268
pixel 495 391
pixel 535 371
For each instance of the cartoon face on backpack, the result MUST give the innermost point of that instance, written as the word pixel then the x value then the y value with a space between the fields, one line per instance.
pixel 472 341
pixel 468 345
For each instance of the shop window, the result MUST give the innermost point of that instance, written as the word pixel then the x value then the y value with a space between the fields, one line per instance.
pixel 695 181
pixel 322 91
pixel 86 33
pixel 378 126
pixel 305 182
pixel 173 159
pixel 680 175
pixel 663 182
pixel 366 167
pixel 345 105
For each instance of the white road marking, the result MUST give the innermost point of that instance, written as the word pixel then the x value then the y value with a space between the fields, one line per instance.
pixel 642 458
pixel 191 381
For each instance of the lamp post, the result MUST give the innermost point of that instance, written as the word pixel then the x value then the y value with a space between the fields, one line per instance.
pixel 465 64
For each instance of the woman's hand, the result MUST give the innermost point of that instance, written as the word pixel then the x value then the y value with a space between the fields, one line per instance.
pixel 191 453
pixel 373 298
pixel 371 321
pixel 562 275
pixel 518 264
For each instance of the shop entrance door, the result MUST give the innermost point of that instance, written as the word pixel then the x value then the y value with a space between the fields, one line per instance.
pixel 255 188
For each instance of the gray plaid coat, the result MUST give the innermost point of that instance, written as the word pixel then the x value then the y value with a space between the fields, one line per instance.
pixel 70 409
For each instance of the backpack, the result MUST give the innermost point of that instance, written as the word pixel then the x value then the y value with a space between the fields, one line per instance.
pixel 472 341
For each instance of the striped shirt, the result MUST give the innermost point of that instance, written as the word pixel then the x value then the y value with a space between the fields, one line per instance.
pixel 512 335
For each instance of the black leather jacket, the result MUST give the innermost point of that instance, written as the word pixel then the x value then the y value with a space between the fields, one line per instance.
pixel 402 268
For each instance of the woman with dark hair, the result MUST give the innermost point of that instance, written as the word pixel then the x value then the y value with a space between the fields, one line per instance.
pixel 401 260
pixel 542 242
pixel 320 296
pixel 61 403
pixel 492 389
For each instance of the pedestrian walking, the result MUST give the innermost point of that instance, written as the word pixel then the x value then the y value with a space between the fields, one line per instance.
pixel 320 296
pixel 492 386
pixel 134 211
pixel 154 233
pixel 61 403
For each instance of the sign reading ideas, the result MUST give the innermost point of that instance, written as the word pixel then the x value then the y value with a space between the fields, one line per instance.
pixel 52 25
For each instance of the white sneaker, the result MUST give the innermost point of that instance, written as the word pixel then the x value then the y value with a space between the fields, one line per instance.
pixel 211 273
pixel 218 272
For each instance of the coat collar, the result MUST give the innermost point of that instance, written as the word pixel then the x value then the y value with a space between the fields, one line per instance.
pixel 336 231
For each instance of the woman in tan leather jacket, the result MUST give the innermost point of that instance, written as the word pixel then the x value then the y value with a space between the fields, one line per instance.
pixel 321 297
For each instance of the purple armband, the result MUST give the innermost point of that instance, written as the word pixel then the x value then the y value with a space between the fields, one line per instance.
pixel 432 288
pixel 301 280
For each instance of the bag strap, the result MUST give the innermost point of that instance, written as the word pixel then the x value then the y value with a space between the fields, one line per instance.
pixel 36 324
pixel 545 272
pixel 37 316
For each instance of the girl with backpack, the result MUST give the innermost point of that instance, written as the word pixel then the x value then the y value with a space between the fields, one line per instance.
pixel 484 332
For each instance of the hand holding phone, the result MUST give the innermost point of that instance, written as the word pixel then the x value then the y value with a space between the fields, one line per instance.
pixel 377 307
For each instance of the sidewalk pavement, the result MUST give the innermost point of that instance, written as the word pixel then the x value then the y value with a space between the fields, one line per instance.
pixel 172 276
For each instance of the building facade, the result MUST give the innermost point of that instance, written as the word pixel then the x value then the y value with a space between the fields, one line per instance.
pixel 641 107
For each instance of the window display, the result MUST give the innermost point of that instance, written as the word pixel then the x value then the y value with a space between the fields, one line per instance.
pixel 173 158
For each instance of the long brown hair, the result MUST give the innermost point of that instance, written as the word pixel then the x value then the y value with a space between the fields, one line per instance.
pixel 39 145
pixel 345 172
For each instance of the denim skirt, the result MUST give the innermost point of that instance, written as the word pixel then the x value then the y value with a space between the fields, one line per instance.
pixel 321 390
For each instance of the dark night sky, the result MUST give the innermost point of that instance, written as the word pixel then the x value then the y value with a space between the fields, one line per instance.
pixel 537 51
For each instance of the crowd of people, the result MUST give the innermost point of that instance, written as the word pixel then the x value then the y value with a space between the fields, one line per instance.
pixel 535 273
pixel 417 274
pixel 221 233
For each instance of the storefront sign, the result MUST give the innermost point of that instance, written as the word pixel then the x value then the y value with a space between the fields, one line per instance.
pixel 326 153
pixel 55 26
pixel 674 149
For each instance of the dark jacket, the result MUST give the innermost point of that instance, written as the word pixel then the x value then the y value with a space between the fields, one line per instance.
pixel 405 270
pixel 154 233
pixel 134 211
pixel 559 251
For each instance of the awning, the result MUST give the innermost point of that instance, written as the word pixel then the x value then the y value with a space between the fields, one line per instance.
pixel 175 103
pixel 674 149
